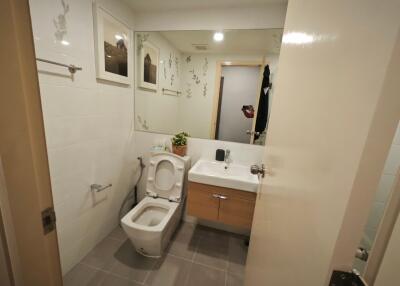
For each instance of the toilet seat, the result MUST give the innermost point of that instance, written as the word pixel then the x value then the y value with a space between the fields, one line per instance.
pixel 140 217
pixel 165 176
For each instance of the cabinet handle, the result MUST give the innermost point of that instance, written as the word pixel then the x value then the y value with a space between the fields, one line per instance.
pixel 218 196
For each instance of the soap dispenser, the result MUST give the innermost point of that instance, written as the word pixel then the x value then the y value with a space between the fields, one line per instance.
pixel 220 155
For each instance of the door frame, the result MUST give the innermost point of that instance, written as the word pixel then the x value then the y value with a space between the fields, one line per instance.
pixel 9 270
pixel 27 188
pixel 217 96
pixel 384 232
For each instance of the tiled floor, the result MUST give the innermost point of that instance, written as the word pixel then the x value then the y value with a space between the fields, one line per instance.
pixel 196 256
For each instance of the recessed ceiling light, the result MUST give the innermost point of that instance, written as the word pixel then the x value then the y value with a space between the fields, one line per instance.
pixel 65 43
pixel 218 36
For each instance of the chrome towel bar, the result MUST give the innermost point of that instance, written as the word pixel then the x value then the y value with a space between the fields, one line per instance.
pixel 172 91
pixel 72 68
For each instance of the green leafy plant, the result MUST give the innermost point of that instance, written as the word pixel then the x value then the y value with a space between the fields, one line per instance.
pixel 180 139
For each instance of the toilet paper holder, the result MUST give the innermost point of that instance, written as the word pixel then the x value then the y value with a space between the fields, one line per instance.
pixel 98 188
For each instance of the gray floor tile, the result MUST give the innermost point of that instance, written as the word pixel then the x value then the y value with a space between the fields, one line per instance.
pixel 82 275
pixel 200 275
pixel 184 241
pixel 213 251
pixel 130 264
pixel 111 280
pixel 102 256
pixel 237 254
pixel 169 271
pixel 118 233
pixel 212 233
pixel 235 279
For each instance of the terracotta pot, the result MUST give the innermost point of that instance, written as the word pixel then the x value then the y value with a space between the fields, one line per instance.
pixel 179 150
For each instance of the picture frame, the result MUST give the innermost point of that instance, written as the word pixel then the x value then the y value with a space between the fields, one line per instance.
pixel 149 66
pixel 113 47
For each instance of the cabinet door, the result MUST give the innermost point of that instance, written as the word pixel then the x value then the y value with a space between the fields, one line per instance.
pixel 236 209
pixel 201 202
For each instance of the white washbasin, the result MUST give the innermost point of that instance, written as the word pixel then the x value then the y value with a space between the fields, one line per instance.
pixel 236 176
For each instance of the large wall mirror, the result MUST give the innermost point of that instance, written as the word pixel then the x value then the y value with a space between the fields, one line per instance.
pixel 213 85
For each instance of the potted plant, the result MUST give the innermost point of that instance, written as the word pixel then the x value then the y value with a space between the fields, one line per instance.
pixel 179 143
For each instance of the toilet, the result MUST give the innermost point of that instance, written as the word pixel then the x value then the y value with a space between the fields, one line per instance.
pixel 150 224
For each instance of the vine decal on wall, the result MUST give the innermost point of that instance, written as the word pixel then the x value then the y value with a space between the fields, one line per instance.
pixel 177 66
pixel 195 77
pixel 188 90
pixel 141 39
pixel 205 89
pixel 170 61
pixel 197 81
pixel 143 123
pixel 60 22
pixel 205 67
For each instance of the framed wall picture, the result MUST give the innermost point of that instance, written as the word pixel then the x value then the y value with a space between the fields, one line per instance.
pixel 149 66
pixel 113 41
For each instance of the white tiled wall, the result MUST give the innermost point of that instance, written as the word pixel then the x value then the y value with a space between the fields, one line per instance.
pixel 197 148
pixel 88 126
pixel 385 186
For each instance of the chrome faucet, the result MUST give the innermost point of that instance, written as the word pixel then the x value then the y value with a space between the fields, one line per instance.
pixel 227 158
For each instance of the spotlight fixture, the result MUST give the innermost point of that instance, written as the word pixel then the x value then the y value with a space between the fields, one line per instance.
pixel 218 36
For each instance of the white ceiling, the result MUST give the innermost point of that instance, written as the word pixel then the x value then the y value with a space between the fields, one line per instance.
pixel 260 42
pixel 164 5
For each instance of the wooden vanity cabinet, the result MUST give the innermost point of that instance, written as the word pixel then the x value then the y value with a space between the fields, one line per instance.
pixel 228 206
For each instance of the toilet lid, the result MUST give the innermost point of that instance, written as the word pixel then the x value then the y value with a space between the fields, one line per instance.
pixel 165 176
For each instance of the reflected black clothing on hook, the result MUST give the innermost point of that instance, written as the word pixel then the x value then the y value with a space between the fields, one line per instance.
pixel 262 112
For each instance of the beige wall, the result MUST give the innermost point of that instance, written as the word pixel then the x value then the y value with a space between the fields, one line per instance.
pixel 329 135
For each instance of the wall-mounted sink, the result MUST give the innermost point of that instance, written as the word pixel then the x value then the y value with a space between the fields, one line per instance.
pixel 236 176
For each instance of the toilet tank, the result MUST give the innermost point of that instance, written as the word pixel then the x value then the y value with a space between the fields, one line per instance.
pixel 188 165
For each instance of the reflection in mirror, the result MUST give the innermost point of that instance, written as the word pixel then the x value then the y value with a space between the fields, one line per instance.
pixel 213 85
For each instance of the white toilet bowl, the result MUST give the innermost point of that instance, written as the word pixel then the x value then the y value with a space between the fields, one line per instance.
pixel 150 224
